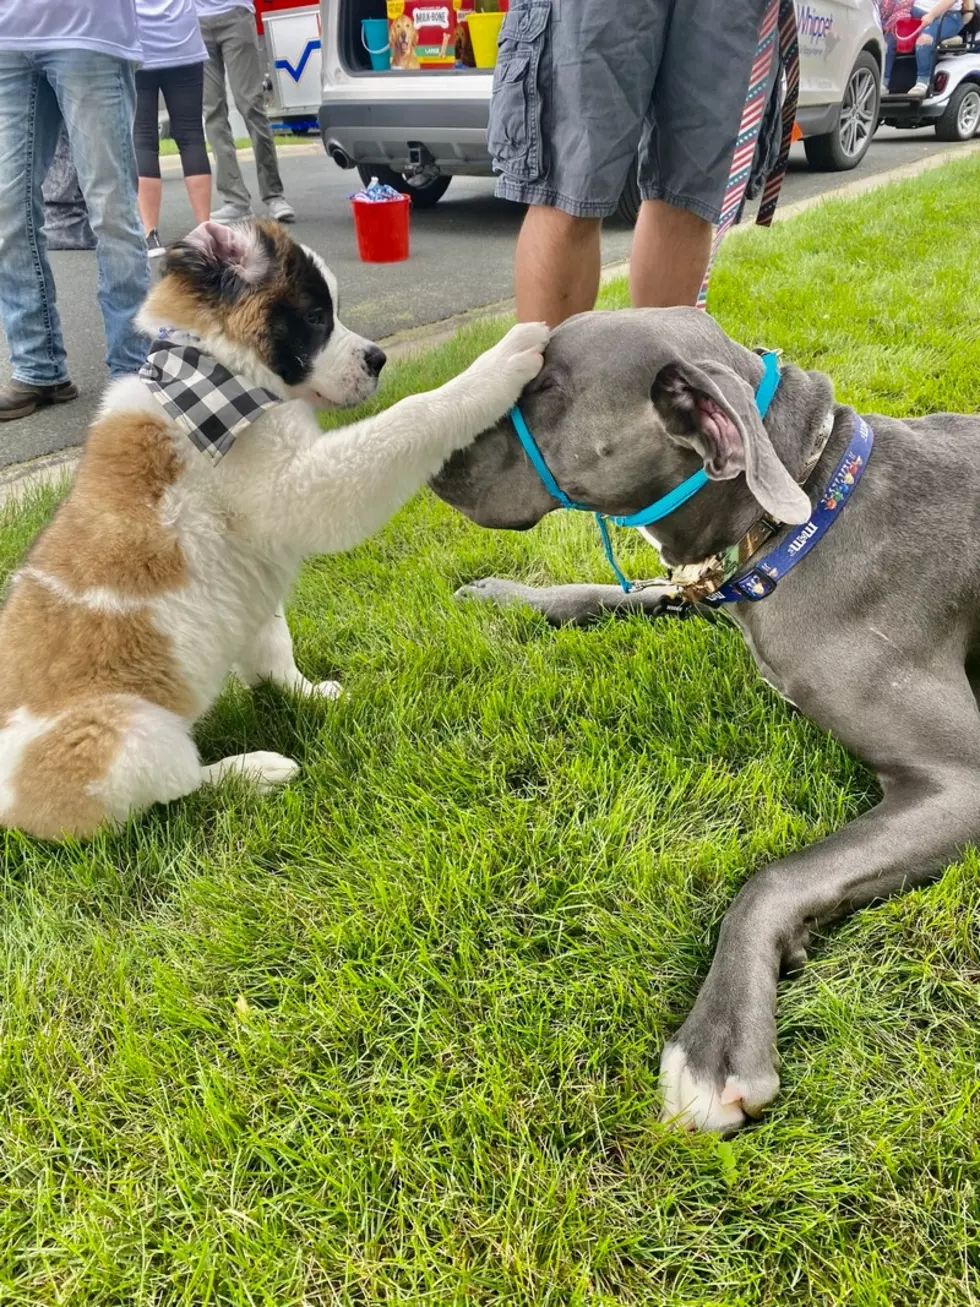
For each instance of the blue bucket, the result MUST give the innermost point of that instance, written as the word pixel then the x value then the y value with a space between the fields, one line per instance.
pixel 374 38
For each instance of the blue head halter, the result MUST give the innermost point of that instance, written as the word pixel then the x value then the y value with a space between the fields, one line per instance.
pixel 661 507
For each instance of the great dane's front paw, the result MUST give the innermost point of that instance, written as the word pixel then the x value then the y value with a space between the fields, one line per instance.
pixel 493 590
pixel 704 1093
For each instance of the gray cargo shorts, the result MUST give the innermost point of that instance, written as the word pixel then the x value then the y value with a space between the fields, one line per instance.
pixel 585 90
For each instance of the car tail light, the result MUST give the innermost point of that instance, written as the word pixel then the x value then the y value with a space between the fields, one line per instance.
pixel 939 82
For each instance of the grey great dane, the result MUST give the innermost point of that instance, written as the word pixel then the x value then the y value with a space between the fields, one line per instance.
pixel 875 635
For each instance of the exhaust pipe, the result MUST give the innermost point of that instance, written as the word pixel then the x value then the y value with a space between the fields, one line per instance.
pixel 340 157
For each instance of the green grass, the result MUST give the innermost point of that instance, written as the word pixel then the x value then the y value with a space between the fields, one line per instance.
pixel 391 1035
pixel 169 146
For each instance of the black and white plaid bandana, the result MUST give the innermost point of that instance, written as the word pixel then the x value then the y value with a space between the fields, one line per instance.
pixel 211 404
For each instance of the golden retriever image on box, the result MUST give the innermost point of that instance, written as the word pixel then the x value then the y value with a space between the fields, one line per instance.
pixel 402 37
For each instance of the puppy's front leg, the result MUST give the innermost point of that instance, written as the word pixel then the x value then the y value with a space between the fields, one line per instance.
pixel 270 658
pixel 343 488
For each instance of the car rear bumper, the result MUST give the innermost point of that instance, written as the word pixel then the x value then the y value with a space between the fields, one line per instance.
pixel 454 131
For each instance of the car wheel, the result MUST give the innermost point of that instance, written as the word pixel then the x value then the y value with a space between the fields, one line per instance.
pixel 961 117
pixel 629 202
pixel 424 194
pixel 848 143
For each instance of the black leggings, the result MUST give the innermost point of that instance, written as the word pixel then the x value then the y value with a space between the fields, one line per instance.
pixel 183 90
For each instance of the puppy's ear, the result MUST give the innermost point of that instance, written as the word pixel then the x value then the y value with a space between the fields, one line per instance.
pixel 229 259
pixel 712 409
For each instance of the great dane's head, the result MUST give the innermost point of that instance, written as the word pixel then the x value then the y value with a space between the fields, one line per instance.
pixel 628 405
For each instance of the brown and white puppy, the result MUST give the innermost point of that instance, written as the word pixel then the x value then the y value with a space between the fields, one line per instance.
pixel 162 571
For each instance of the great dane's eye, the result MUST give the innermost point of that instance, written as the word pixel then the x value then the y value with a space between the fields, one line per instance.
pixel 316 317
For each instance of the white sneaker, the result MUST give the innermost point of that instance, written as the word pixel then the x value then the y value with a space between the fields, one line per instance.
pixel 231 213
pixel 280 209
pixel 919 89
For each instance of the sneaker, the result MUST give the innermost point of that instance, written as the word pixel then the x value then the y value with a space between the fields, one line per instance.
pixel 919 89
pixel 280 209
pixel 19 399
pixel 231 213
pixel 153 247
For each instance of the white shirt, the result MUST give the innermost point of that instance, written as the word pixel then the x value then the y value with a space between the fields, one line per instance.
pixel 169 33
pixel 212 8
pixel 107 26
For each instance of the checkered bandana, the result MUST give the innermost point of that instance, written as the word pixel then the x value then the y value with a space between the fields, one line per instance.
pixel 211 404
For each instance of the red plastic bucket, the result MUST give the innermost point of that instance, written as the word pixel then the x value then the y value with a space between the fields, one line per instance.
pixel 906 30
pixel 381 227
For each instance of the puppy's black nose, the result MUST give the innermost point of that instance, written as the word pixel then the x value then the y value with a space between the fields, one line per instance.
pixel 374 360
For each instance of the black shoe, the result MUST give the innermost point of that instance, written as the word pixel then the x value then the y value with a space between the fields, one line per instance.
pixel 19 399
pixel 153 247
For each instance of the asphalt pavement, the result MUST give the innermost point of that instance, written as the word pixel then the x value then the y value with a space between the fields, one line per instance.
pixel 461 259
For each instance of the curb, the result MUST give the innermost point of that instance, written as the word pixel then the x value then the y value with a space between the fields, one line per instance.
pixel 22 478
pixel 170 163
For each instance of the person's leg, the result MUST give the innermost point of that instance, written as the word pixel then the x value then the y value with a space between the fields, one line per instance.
pixel 556 267
pixel 146 135
pixel 688 143
pixel 941 30
pixel 886 75
pixel 671 249
pixel 571 87
pixel 29 125
pixel 228 179
pixel 66 225
pixel 97 97
pixel 241 53
pixel 183 90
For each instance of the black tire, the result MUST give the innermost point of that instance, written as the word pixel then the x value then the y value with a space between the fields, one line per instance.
pixel 629 201
pixel 423 197
pixel 961 117
pixel 844 147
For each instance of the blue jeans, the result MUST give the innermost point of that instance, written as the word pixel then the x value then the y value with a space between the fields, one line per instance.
pixel 941 30
pixel 96 97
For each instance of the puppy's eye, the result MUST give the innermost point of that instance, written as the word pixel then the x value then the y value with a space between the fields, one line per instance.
pixel 316 317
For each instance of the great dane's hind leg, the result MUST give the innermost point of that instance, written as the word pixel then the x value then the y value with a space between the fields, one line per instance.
pixel 572 605
pixel 721 1065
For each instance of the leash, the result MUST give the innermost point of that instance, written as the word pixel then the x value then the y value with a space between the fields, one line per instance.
pixel 778 25
pixel 661 507
pixel 722 581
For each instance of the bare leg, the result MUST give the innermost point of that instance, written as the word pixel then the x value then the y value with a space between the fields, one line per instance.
pixel 571 605
pixel 199 194
pixel 721 1065
pixel 671 248
pixel 271 659
pixel 150 196
pixel 556 269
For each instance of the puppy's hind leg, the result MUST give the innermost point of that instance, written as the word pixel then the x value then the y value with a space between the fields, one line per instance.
pixel 270 658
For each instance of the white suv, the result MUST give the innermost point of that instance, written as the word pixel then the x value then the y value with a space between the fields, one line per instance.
pixel 416 130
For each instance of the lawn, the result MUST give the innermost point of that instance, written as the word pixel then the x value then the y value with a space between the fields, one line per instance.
pixel 392 1035
pixel 169 146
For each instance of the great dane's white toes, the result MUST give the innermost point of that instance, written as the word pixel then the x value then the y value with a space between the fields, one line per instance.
pixel 265 771
pixel 494 589
pixel 326 690
pixel 693 1101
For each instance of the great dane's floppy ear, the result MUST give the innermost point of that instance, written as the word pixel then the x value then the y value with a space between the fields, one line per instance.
pixel 712 409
